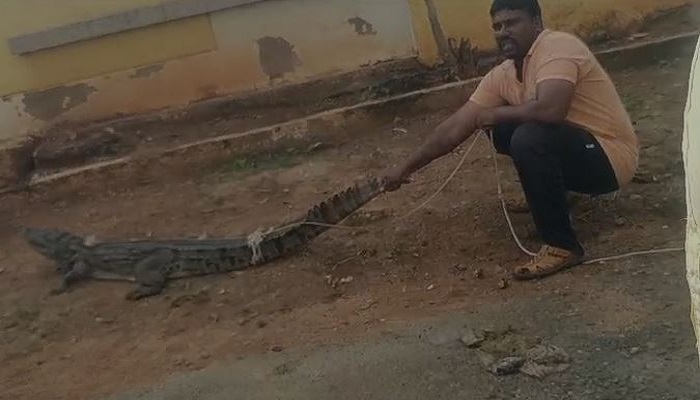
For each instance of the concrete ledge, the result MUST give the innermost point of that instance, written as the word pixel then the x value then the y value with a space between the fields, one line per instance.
pixel 348 123
pixel 119 22
pixel 209 118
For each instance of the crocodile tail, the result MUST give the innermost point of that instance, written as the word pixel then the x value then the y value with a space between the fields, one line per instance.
pixel 320 218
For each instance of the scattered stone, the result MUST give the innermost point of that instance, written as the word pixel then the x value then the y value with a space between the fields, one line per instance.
pixel 261 324
pixel 249 316
pixel 314 147
pixel 430 287
pixel 101 320
pixel 368 305
pixel 223 292
pixel 204 355
pixel 346 280
pixel 335 282
pixel 506 352
pixel 486 359
pixel 644 178
pixel 478 273
pixel 503 283
pixel 635 197
pixel 214 317
pixel 182 361
pixel 472 339
pixel 276 349
pixel 634 350
pixel 543 360
pixel 507 366
pixel 459 268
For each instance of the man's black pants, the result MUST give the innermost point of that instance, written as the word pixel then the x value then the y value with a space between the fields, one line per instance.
pixel 551 160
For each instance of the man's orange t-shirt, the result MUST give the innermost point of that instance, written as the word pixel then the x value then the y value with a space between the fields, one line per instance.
pixel 595 107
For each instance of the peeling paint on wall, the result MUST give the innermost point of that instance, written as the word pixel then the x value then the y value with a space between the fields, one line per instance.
pixel 277 56
pixel 362 27
pixel 145 72
pixel 50 103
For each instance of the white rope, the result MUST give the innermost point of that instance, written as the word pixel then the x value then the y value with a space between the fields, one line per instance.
pixel 634 253
pixel 444 184
pixel 255 239
pixel 501 198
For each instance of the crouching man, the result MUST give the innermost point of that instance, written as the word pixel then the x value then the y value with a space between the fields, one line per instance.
pixel 552 108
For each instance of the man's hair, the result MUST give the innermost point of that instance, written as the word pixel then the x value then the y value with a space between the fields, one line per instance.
pixel 532 7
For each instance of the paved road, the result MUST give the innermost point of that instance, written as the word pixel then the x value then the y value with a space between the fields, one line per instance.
pixel 426 360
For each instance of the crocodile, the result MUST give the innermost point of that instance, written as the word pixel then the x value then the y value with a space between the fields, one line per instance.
pixel 151 263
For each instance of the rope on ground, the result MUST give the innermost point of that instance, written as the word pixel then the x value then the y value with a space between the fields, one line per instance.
pixel 502 199
pixel 447 181
pixel 634 253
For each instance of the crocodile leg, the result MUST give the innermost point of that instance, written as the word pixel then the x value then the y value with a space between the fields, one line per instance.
pixel 150 275
pixel 79 270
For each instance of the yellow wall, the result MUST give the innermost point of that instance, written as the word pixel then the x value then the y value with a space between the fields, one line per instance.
pixel 177 63
pixel 470 18
pixel 91 58
pixel 691 159
pixel 101 78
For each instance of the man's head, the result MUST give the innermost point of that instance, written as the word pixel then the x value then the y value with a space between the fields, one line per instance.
pixel 516 25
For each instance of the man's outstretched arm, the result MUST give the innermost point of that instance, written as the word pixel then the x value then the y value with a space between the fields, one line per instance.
pixel 446 136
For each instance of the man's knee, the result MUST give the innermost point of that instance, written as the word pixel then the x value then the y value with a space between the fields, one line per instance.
pixel 530 138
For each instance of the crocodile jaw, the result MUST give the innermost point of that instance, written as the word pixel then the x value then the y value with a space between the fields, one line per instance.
pixel 55 245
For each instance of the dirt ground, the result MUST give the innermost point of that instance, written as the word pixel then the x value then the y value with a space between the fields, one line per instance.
pixel 91 343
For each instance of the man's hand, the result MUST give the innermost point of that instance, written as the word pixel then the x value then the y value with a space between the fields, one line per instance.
pixel 446 136
pixel 393 178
